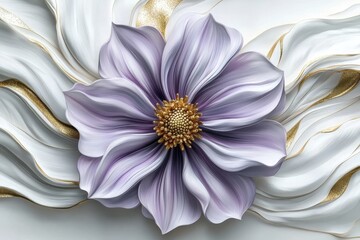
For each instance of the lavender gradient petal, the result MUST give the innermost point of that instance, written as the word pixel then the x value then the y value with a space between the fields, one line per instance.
pixel 127 200
pixel 257 150
pixel 127 160
pixel 222 195
pixel 195 54
pixel 87 167
pixel 135 54
pixel 249 90
pixel 165 197
pixel 105 111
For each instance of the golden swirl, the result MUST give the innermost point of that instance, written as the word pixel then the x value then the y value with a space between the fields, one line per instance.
pixel 340 186
pixel 291 134
pixel 272 49
pixel 21 89
pixel 5 193
pixel 156 13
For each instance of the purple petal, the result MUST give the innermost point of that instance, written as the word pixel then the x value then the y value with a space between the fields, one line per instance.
pixel 87 168
pixel 127 200
pixel 135 54
pixel 222 195
pixel 248 90
pixel 257 150
pixel 165 197
pixel 127 160
pixel 106 110
pixel 196 53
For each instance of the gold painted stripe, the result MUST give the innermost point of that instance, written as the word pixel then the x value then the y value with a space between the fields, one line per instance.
pixel 348 81
pixel 156 13
pixel 291 134
pixel 327 130
pixel 5 193
pixel 340 186
pixel 20 88
pixel 272 49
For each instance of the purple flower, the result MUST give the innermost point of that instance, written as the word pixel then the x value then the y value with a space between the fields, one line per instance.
pixel 179 127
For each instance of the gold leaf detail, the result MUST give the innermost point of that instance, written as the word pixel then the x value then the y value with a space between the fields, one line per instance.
pixel 156 13
pixel 340 186
pixel 20 88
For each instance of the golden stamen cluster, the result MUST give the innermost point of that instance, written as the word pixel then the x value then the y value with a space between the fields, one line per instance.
pixel 178 123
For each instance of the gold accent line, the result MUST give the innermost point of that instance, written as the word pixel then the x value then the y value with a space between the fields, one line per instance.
pixel 22 89
pixel 54 179
pixel 340 186
pixel 327 130
pixel 6 193
pixel 41 171
pixel 156 13
pixel 272 49
pixel 348 81
pixel 290 135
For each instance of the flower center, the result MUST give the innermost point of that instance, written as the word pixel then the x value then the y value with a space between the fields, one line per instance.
pixel 178 123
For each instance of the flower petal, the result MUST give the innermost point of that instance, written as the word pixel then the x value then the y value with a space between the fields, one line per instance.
pixel 135 54
pixel 120 169
pixel 165 197
pixel 257 150
pixel 222 195
pixel 248 90
pixel 127 200
pixel 124 164
pixel 195 54
pixel 106 110
pixel 87 167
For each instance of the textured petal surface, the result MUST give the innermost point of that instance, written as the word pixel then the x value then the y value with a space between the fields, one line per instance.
pixel 124 164
pixel 127 200
pixel 106 110
pixel 135 54
pixel 195 54
pixel 255 150
pixel 222 195
pixel 166 198
pixel 248 90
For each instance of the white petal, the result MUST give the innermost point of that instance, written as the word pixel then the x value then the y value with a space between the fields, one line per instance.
pixel 322 148
pixel 241 14
pixel 36 23
pixel 37 162
pixel 83 27
pixel 24 61
pixel 303 49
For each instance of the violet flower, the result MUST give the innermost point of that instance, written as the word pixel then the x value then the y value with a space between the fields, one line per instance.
pixel 180 127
